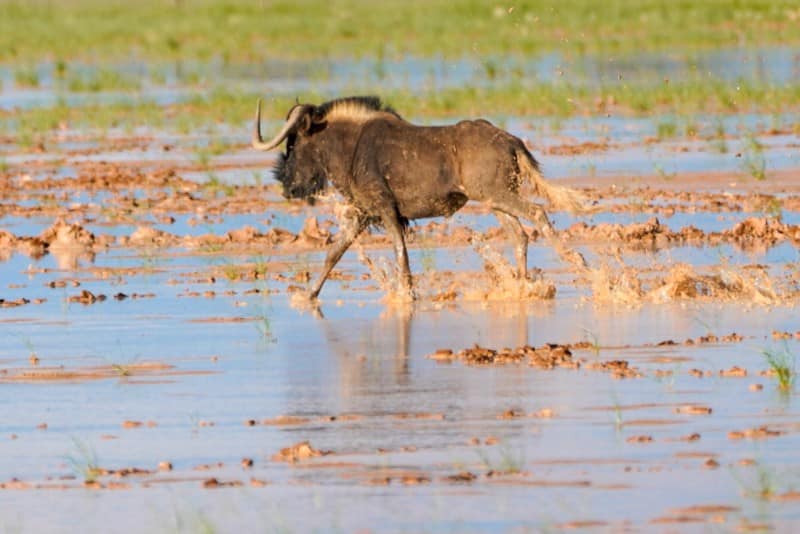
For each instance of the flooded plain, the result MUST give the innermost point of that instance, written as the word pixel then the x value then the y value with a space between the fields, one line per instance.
pixel 158 374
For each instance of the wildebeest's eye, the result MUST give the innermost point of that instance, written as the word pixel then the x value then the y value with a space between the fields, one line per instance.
pixel 290 141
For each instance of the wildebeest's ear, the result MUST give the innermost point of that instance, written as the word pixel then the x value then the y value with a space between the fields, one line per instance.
pixel 304 124
pixel 311 122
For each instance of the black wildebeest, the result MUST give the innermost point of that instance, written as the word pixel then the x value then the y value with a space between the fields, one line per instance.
pixel 390 171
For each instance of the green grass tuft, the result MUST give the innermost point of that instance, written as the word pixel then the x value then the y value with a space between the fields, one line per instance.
pixel 782 363
pixel 753 161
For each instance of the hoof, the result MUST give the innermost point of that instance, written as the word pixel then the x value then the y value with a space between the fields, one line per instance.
pixel 402 295
pixel 305 301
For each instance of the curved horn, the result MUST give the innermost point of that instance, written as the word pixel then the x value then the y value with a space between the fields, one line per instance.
pixel 258 143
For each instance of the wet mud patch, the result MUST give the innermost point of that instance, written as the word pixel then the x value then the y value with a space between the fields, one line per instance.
pixel 142 372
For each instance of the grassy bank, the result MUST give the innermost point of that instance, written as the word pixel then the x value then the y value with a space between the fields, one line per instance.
pixel 249 30
pixel 224 106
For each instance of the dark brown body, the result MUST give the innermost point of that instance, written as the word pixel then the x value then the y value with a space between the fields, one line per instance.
pixel 391 171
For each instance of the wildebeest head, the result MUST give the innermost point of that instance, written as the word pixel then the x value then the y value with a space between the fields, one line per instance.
pixel 298 169
pixel 302 168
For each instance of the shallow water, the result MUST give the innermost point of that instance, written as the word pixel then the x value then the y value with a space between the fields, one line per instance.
pixel 175 82
pixel 403 423
pixel 365 359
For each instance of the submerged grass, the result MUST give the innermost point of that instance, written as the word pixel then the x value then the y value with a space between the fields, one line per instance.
pixel 244 29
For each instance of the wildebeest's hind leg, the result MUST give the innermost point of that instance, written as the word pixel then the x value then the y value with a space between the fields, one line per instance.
pixel 351 224
pixel 391 222
pixel 513 205
pixel 517 233
pixel 517 207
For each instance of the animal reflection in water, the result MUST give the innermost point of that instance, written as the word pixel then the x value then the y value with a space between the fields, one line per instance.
pixel 379 354
pixel 390 171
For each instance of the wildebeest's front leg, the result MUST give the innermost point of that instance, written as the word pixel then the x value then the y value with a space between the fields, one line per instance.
pixel 351 224
pixel 515 230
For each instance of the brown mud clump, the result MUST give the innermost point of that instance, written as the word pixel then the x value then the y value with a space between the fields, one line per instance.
pixel 751 234
pixel 548 356
pixel 86 297
pixel 286 420
pixel 640 236
pixel 15 484
pixel 464 477
pixel 311 235
pixel 149 236
pixel 617 368
pixel 298 452
pixel 129 372
pixel 761 432
pixel 693 409
pixel 68 242
pixel 67 236
pixel 215 483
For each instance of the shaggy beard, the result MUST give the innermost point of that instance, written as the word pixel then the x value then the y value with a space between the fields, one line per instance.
pixel 282 174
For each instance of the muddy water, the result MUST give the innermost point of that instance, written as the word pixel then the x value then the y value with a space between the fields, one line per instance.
pixel 155 364
pixel 199 373
pixel 400 417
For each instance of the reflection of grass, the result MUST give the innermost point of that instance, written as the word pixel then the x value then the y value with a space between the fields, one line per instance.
pixel 508 462
pixel 84 461
pixel 428 258
pixel 192 520
pixel 29 345
pixel 701 321
pixel 593 340
pixel 782 363
pixel 662 172
pixel 264 327
pixel 765 486
pixel 619 421
pixel 150 261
